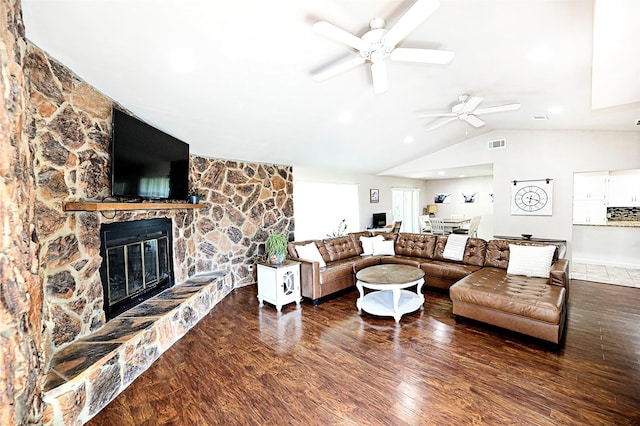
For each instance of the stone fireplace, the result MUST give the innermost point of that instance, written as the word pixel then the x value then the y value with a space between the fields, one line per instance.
pixel 82 360
pixel 137 262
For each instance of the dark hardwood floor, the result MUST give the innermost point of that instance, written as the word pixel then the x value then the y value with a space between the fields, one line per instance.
pixel 327 365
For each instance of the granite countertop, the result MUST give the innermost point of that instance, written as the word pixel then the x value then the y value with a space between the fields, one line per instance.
pixel 624 223
pixel 614 223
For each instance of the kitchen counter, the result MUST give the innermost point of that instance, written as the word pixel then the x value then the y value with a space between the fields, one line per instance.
pixel 615 223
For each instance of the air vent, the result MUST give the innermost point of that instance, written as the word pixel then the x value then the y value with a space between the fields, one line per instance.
pixel 499 143
pixel 540 117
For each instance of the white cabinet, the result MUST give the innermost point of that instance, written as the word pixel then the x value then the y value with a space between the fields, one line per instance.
pixel 589 212
pixel 279 284
pixel 590 198
pixel 590 186
pixel 624 190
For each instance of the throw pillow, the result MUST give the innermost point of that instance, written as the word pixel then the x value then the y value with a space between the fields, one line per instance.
pixel 367 244
pixel 531 261
pixel 311 253
pixel 383 248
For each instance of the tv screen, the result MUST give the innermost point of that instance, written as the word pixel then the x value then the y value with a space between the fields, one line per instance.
pixel 146 162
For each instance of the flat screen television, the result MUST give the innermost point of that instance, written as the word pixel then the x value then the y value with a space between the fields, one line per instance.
pixel 146 162
pixel 379 220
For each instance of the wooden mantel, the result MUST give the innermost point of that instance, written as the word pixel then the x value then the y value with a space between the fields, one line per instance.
pixel 96 206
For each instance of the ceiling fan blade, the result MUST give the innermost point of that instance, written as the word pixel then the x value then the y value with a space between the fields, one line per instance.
pixel 441 123
pixel 427 56
pixel 416 14
pixel 338 34
pixel 338 68
pixel 473 120
pixel 379 76
pixel 442 114
pixel 499 108
pixel 470 105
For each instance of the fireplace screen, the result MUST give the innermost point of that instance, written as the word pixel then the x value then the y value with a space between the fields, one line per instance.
pixel 137 262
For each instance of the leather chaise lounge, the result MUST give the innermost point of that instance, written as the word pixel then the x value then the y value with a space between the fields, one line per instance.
pixel 479 285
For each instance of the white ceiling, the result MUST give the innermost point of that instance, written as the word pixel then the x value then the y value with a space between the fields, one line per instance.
pixel 232 78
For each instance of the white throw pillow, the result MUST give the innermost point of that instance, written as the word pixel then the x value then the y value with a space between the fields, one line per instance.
pixel 310 252
pixel 531 261
pixel 367 244
pixel 383 248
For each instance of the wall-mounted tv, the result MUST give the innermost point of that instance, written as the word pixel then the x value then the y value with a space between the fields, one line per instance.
pixel 146 162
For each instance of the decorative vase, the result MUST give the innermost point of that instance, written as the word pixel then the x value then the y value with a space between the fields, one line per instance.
pixel 194 199
pixel 276 258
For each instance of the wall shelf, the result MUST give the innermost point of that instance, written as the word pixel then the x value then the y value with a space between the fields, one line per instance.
pixel 95 206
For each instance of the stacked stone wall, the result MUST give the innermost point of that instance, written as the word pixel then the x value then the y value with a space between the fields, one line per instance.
pixel 69 126
pixel 20 288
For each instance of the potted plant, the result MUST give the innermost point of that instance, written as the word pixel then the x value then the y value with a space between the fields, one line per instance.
pixel 276 248
pixel 195 195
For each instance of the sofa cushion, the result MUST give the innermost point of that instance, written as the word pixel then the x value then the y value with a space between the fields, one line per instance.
pixel 474 252
pixel 416 245
pixel 311 253
pixel 531 261
pixel 365 262
pixel 514 294
pixel 497 255
pixel 340 248
pixel 402 260
pixel 447 270
pixel 336 270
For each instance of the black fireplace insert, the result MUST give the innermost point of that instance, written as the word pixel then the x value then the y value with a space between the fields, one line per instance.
pixel 137 262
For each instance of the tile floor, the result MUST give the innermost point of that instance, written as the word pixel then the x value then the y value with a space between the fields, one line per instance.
pixel 606 274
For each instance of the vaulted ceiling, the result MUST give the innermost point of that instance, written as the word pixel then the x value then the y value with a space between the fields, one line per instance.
pixel 233 78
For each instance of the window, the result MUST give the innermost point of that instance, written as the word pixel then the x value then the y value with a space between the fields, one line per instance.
pixel 320 207
pixel 406 207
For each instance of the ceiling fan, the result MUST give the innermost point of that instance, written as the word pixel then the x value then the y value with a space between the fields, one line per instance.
pixel 467 110
pixel 379 43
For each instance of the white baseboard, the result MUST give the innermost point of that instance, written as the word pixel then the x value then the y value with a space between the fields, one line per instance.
pixel 588 261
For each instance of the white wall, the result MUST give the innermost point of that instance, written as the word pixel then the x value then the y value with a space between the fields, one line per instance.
pixel 537 155
pixel 365 182
pixel 456 187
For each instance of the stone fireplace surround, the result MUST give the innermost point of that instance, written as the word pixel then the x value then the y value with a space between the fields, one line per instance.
pixel 67 126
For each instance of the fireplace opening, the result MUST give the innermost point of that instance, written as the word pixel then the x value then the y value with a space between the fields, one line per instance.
pixel 137 262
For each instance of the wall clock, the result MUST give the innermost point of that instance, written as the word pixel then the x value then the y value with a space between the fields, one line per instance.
pixel 532 197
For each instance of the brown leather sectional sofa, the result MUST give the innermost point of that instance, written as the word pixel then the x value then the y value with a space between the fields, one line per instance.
pixel 479 285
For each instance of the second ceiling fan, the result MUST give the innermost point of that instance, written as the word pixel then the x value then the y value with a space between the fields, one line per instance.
pixel 467 110
pixel 379 43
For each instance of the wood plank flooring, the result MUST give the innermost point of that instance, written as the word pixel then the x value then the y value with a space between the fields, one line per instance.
pixel 328 365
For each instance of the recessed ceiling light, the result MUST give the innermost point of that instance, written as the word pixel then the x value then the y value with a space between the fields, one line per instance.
pixel 556 109
pixel 442 173
pixel 539 54
pixel 408 139
pixel 461 176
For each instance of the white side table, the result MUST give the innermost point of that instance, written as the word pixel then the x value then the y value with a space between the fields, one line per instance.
pixel 279 284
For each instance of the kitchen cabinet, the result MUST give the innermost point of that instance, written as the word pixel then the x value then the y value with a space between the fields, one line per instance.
pixel 624 189
pixel 590 198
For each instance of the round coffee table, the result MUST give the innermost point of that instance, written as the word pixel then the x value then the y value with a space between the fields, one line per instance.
pixel 389 297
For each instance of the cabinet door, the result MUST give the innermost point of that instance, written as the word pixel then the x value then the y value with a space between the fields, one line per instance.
pixel 589 212
pixel 624 190
pixel 590 186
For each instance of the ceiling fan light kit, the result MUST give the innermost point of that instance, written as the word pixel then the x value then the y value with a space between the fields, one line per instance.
pixel 378 44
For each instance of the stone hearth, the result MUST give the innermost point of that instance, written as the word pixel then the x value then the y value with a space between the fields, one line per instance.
pixel 87 374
